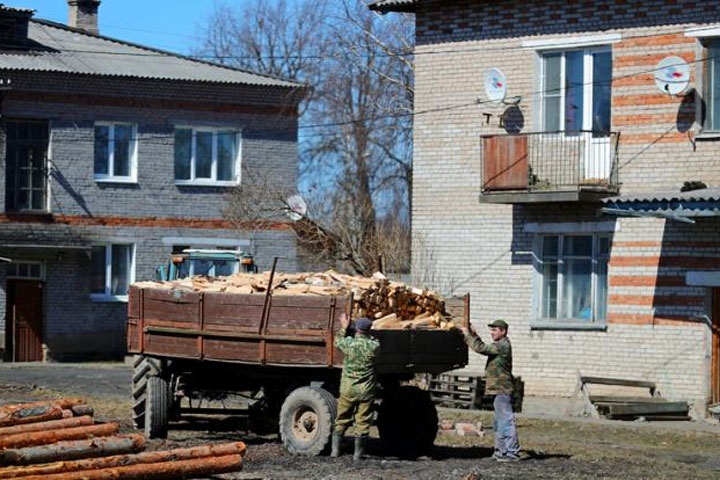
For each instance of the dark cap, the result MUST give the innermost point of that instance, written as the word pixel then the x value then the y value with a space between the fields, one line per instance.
pixel 363 324
pixel 499 324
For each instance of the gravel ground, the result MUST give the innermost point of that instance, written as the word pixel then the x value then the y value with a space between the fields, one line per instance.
pixel 553 448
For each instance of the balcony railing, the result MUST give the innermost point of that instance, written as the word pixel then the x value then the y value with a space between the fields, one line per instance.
pixel 547 162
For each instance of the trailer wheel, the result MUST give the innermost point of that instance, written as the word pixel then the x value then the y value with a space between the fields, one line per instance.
pixel 157 407
pixel 306 420
pixel 143 368
pixel 407 422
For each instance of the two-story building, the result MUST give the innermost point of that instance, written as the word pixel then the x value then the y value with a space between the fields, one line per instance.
pixel 112 156
pixel 554 195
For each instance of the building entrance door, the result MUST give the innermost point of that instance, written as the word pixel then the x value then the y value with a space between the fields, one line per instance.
pixel 24 325
pixel 715 395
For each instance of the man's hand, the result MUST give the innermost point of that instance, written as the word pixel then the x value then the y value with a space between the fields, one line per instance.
pixel 344 320
pixel 470 330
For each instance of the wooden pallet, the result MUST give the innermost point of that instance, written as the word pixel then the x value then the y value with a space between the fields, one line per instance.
pixel 466 391
pixel 620 407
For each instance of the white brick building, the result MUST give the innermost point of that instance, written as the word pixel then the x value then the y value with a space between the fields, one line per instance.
pixel 508 197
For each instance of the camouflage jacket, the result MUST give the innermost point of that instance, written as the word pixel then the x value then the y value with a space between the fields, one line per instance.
pixel 498 370
pixel 359 377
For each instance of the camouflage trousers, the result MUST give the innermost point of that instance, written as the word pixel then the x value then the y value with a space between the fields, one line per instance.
pixel 360 411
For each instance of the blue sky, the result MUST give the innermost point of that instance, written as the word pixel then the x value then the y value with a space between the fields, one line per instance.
pixel 167 24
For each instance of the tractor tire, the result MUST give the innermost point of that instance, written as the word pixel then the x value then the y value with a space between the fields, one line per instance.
pixel 306 420
pixel 143 368
pixel 157 407
pixel 407 422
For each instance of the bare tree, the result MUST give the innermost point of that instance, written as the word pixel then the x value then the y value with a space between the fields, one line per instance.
pixel 356 146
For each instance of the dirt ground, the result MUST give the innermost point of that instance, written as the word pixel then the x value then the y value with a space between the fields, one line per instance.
pixel 553 448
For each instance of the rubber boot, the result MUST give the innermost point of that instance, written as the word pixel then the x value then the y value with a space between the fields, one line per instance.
pixel 359 447
pixel 336 444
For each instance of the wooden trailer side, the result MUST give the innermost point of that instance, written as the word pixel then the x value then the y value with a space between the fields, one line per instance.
pixel 288 330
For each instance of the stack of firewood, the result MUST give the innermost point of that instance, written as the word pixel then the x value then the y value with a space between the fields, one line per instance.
pixel 60 440
pixel 391 305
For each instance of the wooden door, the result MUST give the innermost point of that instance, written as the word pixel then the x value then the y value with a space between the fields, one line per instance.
pixel 716 346
pixel 25 315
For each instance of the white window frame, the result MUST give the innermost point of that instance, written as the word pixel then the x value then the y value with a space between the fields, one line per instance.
pixel 29 277
pixel 110 177
pixel 538 290
pixel 212 181
pixel 588 73
pixel 107 296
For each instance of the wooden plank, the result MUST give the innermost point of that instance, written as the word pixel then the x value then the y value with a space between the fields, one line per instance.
pixel 316 339
pixel 648 408
pixel 601 399
pixel 618 382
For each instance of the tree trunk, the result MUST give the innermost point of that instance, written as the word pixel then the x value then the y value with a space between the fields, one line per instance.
pixel 204 451
pixel 45 426
pixel 22 440
pixel 73 450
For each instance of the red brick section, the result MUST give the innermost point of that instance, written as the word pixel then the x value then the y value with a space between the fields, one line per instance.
pixel 645 99
pixel 632 319
pixel 628 120
pixel 636 244
pixel 669 39
pixel 700 263
pixel 217 224
pixel 656 300
pixel 647 281
pixel 650 60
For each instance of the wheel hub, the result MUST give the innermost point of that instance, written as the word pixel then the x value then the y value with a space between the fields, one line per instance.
pixel 305 423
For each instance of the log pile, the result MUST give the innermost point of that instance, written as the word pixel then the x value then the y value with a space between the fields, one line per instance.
pixel 60 440
pixel 391 305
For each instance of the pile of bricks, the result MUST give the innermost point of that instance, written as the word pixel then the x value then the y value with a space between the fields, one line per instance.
pixel 60 439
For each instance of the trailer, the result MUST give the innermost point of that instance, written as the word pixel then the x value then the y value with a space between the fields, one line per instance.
pixel 278 349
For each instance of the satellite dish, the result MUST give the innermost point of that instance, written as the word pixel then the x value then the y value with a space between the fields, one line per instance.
pixel 672 75
pixel 297 208
pixel 495 85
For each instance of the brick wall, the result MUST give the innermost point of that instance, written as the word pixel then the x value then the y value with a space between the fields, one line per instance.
pixel 86 212
pixel 460 245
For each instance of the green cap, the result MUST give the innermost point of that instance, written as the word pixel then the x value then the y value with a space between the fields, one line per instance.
pixel 499 324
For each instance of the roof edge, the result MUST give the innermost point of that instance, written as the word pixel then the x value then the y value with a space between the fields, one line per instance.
pixel 400 6
pixel 293 84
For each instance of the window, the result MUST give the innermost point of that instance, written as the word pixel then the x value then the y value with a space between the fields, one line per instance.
pixel 712 78
pixel 572 271
pixel 211 268
pixel 207 156
pixel 112 271
pixel 576 91
pixel 25 270
pixel 26 172
pixel 115 152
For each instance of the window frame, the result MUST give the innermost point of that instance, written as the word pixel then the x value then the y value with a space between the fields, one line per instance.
pixel 538 288
pixel 588 79
pixel 107 296
pixel 110 177
pixel 212 181
pixel 11 276
pixel 707 78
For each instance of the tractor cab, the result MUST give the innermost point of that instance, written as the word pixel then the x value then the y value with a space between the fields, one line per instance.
pixel 210 262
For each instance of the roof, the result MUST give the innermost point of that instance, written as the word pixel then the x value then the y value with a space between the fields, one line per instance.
pixel 673 205
pixel 59 48
pixel 27 11
pixel 384 6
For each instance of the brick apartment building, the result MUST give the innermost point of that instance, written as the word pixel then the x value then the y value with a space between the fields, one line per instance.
pixel 560 209
pixel 112 155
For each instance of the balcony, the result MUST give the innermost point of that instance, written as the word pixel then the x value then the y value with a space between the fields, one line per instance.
pixel 549 167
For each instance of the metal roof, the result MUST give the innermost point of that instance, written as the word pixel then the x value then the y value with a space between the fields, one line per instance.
pixel 63 49
pixel 673 205
pixel 5 8
pixel 385 6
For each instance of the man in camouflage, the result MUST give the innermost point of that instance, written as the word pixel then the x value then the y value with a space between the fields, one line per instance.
pixel 499 382
pixel 357 384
